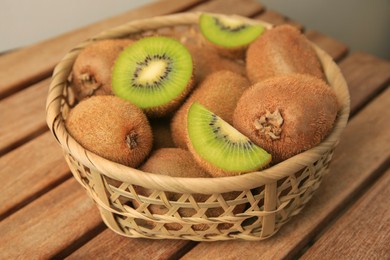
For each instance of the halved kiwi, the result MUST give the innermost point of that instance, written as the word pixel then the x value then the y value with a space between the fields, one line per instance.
pixel 228 32
pixel 155 73
pixel 218 147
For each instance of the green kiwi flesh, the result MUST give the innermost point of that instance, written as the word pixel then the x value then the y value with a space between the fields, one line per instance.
pixel 155 73
pixel 228 31
pixel 220 148
pixel 219 92
pixel 112 128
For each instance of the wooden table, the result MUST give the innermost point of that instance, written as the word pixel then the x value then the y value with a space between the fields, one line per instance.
pixel 45 213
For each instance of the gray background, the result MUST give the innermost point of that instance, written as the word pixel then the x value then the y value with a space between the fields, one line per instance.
pixel 362 24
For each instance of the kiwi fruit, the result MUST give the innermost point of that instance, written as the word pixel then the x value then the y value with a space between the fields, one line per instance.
pixel 280 51
pixel 177 162
pixel 112 128
pixel 155 73
pixel 207 61
pixel 218 147
pixel 219 92
pixel 287 114
pixel 91 72
pixel 229 34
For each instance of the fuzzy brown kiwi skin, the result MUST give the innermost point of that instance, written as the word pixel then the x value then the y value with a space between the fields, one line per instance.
pixel 301 113
pixel 219 92
pixel 207 61
pixel 112 128
pixel 177 162
pixel 280 51
pixel 91 72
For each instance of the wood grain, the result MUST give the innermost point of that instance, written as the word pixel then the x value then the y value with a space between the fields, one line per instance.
pixel 336 49
pixel 49 224
pixel 23 116
pixel 363 232
pixel 366 75
pixel 353 166
pixel 30 171
pixel 26 66
pixel 277 19
pixel 113 246
pixel 242 7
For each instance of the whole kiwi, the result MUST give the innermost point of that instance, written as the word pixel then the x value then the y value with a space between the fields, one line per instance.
pixel 280 51
pixel 177 162
pixel 111 128
pixel 91 72
pixel 207 61
pixel 219 92
pixel 286 115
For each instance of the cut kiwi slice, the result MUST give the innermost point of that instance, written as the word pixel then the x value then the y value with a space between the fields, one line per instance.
pixel 155 73
pixel 219 147
pixel 228 31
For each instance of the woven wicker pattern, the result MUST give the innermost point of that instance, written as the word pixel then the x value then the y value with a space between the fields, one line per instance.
pixel 251 207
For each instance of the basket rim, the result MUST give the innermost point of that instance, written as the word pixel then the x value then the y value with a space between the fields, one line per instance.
pixel 182 184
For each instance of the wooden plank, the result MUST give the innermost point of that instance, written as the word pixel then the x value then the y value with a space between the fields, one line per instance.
pixel 26 66
pixel 278 19
pixel 30 171
pixel 49 224
pixel 113 246
pixel 242 7
pixel 337 50
pixel 357 159
pixel 22 116
pixel 363 232
pixel 366 75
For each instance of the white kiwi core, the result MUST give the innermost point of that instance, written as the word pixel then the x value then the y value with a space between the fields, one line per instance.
pixel 152 72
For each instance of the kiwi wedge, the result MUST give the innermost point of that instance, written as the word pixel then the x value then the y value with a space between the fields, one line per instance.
pixel 219 92
pixel 230 34
pixel 218 147
pixel 155 73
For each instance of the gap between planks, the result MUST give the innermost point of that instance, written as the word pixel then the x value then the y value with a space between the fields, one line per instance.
pixel 363 232
pixel 375 177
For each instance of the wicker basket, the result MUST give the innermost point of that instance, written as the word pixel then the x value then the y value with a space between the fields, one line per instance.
pixel 271 197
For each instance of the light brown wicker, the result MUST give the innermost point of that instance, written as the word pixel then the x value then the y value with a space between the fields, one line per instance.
pixel 271 196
